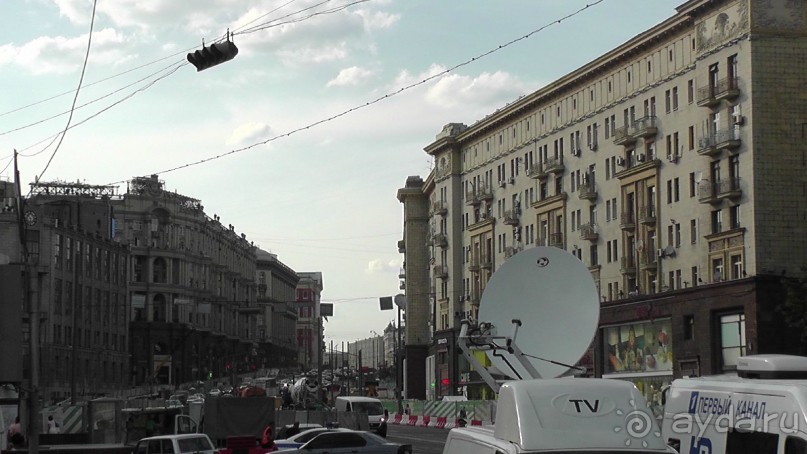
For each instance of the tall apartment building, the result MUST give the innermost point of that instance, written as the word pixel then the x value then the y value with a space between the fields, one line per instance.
pixel 193 288
pixel 309 321
pixel 79 281
pixel 672 166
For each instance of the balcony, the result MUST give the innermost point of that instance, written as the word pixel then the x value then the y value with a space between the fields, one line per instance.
pixel 401 246
pixel 511 216
pixel 477 195
pixel 537 171
pixel 486 263
pixel 648 259
pixel 473 265
pixel 727 139
pixel 554 165
pixel 647 214
pixel 440 240
pixel 589 232
pixel 715 192
pixel 402 285
pixel 511 251
pixel 622 136
pixel 727 88
pixel 627 265
pixel 587 192
pixel 440 271
pixel 627 221
pixel 555 240
pixel 714 144
pixel 402 273
pixel 644 127
pixel 439 207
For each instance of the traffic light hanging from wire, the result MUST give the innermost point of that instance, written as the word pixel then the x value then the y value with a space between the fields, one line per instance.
pixel 214 54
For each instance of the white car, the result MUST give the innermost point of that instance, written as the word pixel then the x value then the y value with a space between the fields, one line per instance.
pixel 297 440
pixel 176 444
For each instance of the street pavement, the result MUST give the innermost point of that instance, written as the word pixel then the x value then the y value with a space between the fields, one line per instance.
pixel 424 440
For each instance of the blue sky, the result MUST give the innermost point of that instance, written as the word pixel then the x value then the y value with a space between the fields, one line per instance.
pixel 324 197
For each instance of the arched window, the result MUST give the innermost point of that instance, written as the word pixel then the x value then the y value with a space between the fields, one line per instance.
pixel 160 271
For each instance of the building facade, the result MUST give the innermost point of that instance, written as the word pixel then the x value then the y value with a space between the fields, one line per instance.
pixel 310 340
pixel 277 316
pixel 79 279
pixel 193 288
pixel 671 166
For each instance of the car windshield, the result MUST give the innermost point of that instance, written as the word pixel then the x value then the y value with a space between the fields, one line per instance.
pixel 307 435
pixel 194 444
pixel 371 408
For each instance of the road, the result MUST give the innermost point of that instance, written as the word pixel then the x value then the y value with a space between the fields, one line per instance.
pixel 424 440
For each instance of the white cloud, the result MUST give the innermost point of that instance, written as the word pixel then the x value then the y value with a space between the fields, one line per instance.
pixel 249 133
pixel 378 19
pixel 320 54
pixel 63 55
pixel 379 266
pixel 350 76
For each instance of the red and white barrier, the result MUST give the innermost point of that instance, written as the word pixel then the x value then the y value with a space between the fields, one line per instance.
pixel 396 419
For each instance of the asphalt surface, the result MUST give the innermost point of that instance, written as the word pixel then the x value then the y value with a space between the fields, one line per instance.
pixel 424 440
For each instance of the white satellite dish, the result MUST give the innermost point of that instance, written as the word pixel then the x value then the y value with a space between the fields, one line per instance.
pixel 554 296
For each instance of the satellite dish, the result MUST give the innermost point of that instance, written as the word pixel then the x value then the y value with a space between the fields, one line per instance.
pixel 553 294
pixel 400 301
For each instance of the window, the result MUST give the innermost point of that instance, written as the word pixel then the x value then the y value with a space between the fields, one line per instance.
pixel 732 339
pixel 734 217
pixel 675 98
pixel 717 269
pixel 717 221
pixel 690 91
pixel 737 270
pixel 667 101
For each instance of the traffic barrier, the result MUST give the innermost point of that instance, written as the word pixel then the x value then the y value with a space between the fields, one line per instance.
pixel 397 418
pixel 413 420
pixel 476 422
pixel 425 420
pixel 441 422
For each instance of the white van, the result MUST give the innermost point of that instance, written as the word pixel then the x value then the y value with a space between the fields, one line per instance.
pixel 567 415
pixel 762 409
pixel 369 405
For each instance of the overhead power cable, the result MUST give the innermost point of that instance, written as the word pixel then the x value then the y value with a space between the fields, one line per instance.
pixel 377 100
pixel 75 98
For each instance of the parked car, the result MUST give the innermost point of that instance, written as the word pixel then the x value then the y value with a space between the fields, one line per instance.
pixel 354 441
pixel 283 432
pixel 295 441
pixel 175 444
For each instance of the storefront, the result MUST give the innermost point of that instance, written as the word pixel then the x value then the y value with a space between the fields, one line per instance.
pixel 642 353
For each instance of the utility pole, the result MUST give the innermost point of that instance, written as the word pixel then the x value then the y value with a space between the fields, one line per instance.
pixel 33 320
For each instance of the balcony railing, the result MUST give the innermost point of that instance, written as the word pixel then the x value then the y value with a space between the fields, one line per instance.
pixel 587 191
pixel 627 265
pixel 511 251
pixel 713 144
pixel 439 207
pixel 647 214
pixel 511 216
pixel 644 127
pixel 555 240
pixel 589 232
pixel 716 191
pixel 537 171
pixel 554 165
pixel 726 88
pixel 622 136
pixel 440 271
pixel 627 221
pixel 477 195
pixel 648 259
pixel 440 240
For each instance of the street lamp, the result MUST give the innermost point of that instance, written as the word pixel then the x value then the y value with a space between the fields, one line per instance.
pixel 374 362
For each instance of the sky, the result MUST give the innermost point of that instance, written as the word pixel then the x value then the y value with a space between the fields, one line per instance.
pixel 303 139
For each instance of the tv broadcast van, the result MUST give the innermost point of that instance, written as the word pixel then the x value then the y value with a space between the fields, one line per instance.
pixel 762 409
pixel 564 415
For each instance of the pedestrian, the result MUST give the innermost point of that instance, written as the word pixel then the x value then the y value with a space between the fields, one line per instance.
pixel 53 426
pixel 150 426
pixel 462 421
pixel 15 437
pixel 407 410
pixel 293 430
pixel 267 439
